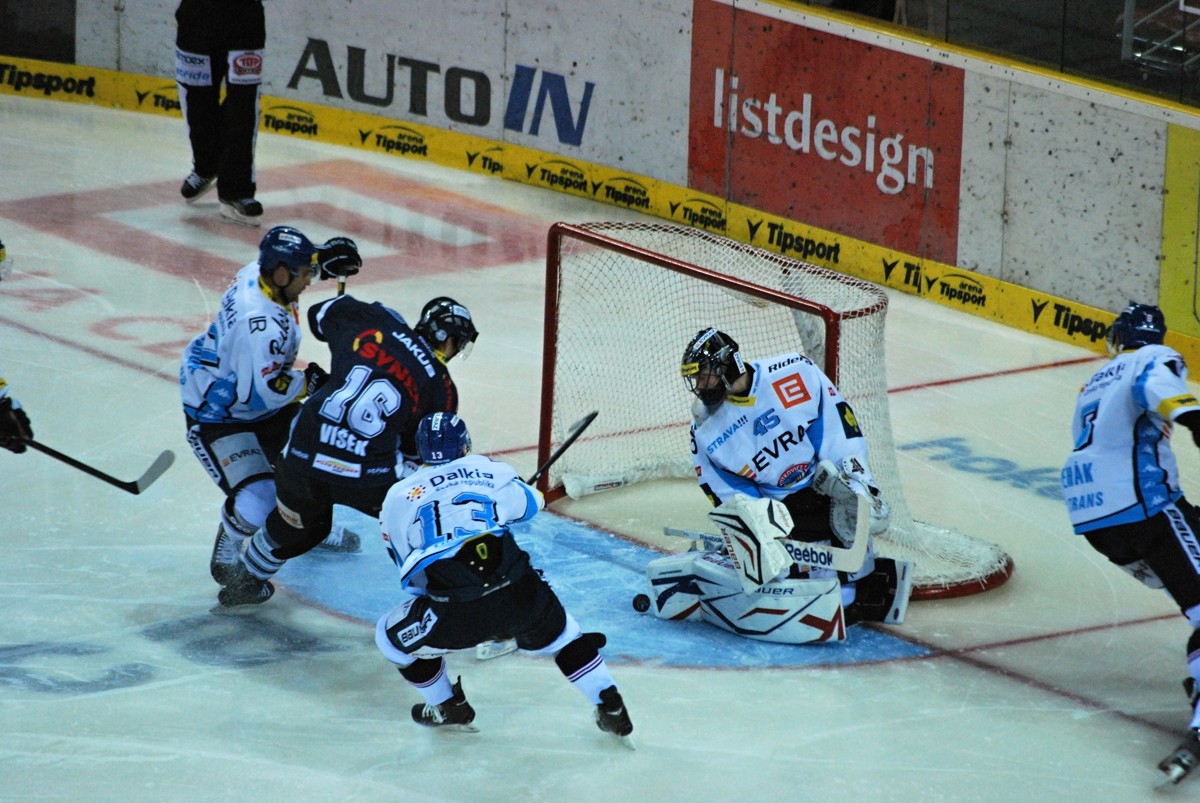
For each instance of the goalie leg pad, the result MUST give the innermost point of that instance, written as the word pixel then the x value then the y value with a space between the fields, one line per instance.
pixel 752 528
pixel 674 587
pixel 786 611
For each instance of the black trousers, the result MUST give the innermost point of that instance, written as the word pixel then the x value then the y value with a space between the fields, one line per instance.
pixel 1169 543
pixel 223 132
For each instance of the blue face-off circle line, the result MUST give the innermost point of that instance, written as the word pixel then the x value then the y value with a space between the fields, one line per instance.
pixel 596 575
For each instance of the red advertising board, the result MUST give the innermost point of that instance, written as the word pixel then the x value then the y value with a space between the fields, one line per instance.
pixel 833 133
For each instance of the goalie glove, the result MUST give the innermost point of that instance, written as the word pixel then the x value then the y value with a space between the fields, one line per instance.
pixel 843 486
pixel 338 258
pixel 15 428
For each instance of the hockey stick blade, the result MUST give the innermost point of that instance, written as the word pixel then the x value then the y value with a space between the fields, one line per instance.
pixel 826 557
pixel 576 430
pixel 156 470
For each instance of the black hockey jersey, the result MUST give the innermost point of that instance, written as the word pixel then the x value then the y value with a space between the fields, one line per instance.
pixel 383 379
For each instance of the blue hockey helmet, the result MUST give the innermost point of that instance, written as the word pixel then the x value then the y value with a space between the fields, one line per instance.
pixel 711 364
pixel 442 437
pixel 1138 325
pixel 284 245
pixel 444 318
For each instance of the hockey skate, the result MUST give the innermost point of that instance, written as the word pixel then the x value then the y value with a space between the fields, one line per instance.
pixel 226 550
pixel 456 713
pixel 612 716
pixel 341 540
pixel 195 185
pixel 243 588
pixel 247 211
pixel 1180 763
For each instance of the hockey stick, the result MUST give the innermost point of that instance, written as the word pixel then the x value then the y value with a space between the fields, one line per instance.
pixel 816 555
pixel 156 470
pixel 576 430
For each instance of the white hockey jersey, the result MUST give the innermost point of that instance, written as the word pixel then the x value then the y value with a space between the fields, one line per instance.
pixel 240 369
pixel 768 443
pixel 431 513
pixel 1122 469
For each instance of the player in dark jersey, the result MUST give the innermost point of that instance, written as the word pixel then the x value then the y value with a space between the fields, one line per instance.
pixel 349 437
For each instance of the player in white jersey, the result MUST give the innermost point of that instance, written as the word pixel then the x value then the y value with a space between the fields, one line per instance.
pixel 239 387
pixel 466 580
pixel 759 432
pixel 15 428
pixel 1121 482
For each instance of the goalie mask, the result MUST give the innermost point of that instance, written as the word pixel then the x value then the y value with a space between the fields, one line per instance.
pixel 1138 325
pixel 444 318
pixel 284 245
pixel 442 437
pixel 711 364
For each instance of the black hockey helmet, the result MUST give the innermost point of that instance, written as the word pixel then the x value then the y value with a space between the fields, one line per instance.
pixel 1137 325
pixel 284 245
pixel 444 318
pixel 5 262
pixel 442 437
pixel 711 353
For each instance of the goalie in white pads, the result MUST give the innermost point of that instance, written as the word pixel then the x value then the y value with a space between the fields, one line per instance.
pixel 779 452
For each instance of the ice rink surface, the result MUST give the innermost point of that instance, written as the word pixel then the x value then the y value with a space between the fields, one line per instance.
pixel 118 683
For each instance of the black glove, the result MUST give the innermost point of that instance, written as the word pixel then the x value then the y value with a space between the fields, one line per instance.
pixel 15 428
pixel 338 258
pixel 314 377
pixel 1191 420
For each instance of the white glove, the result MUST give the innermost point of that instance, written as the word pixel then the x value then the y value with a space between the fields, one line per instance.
pixel 844 485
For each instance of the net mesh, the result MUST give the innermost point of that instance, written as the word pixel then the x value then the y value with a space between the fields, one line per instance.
pixel 625 300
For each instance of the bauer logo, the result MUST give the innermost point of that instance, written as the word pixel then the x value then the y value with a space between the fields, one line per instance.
pixel 399 141
pixel 622 192
pixel 290 120
pixel 700 214
pixel 164 97
pixel 559 175
pixel 961 289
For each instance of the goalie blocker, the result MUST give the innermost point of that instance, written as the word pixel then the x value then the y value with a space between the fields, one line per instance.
pixel 726 587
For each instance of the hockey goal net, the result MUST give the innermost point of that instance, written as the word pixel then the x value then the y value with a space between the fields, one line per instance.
pixel 622 301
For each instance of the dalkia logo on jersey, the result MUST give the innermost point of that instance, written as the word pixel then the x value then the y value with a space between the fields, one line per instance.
pixel 701 214
pixel 290 120
pixel 164 97
pixel 560 175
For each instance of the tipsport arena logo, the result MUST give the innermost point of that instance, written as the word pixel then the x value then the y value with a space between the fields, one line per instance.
pixel 164 97
pixel 797 245
pixel 558 174
pixel 290 120
pixel 395 140
pixel 622 191
pixel 700 214
pixel 1072 322
pixel 47 83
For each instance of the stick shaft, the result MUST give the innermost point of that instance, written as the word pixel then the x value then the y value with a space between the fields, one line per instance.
pixel 579 428
pixel 161 464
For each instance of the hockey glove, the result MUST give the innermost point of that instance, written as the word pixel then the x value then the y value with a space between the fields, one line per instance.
pixel 338 258
pixel 15 428
pixel 1191 420
pixel 314 377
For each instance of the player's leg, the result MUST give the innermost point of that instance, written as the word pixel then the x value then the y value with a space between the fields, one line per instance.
pixel 239 464
pixel 198 80
pixel 245 42
pixel 549 630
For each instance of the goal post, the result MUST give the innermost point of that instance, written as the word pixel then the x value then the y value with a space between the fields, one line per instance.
pixel 622 301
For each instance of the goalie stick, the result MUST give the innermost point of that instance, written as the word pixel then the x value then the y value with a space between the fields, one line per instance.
pixel 816 555
pixel 156 470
